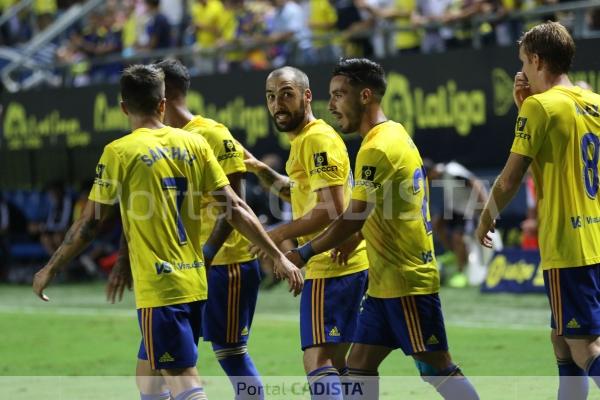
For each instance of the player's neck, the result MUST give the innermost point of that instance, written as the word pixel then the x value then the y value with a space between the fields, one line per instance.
pixel 556 80
pixel 372 116
pixel 308 118
pixel 145 121
pixel 177 114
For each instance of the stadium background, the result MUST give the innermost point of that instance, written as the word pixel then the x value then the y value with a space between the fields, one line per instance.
pixel 457 105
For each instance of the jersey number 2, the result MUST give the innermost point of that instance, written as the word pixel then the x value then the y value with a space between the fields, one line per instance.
pixel 418 177
pixel 180 185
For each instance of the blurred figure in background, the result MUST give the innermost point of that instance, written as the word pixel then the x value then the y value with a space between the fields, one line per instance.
pixel 464 194
pixel 4 245
pixel 59 217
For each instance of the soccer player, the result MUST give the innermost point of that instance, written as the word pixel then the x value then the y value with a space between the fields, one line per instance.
pixel 389 204
pixel 557 132
pixel 155 174
pixel 234 276
pixel 318 184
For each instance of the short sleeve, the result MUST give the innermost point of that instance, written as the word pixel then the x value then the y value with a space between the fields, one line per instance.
pixel 227 150
pixel 373 170
pixel 108 179
pixel 324 161
pixel 530 129
pixel 213 177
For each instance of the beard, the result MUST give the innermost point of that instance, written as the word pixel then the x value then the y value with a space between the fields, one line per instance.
pixel 295 118
pixel 352 123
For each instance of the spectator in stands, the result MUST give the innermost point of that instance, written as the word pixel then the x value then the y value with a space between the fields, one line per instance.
pixel 463 195
pixel 407 40
pixel 59 217
pixel 353 28
pixel 45 11
pixel 460 15
pixel 250 28
pixel 431 12
pixel 289 35
pixel 157 27
pixel 207 20
pixel 175 12
pixel 4 244
pixel 322 21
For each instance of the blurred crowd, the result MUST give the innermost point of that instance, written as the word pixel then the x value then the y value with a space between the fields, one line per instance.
pixel 33 224
pixel 259 34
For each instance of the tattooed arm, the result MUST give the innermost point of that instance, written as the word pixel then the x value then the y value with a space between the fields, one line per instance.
pixel 504 189
pixel 79 236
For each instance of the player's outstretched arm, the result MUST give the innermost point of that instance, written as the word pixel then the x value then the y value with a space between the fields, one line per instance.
pixel 270 179
pixel 79 236
pixel 347 224
pixel 222 228
pixel 504 189
pixel 120 275
pixel 242 218
pixel 330 204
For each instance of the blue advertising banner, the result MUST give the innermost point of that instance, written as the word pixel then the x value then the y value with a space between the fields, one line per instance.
pixel 514 271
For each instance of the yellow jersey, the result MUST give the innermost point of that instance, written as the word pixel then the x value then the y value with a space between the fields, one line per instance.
pixel 230 156
pixel 390 175
pixel 155 176
pixel 211 14
pixel 319 159
pixel 559 129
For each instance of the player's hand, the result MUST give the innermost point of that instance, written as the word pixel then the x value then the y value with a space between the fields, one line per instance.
pixel 285 268
pixel 521 89
pixel 486 225
pixel 341 253
pixel 41 280
pixel 118 279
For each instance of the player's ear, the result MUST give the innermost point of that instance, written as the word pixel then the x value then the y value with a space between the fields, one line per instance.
pixel 162 106
pixel 308 95
pixel 537 62
pixel 124 108
pixel 366 95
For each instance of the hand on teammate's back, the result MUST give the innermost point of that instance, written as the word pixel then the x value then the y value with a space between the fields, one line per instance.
pixel 342 253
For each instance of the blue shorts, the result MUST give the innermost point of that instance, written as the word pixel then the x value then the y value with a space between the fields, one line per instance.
pixel 170 335
pixel 329 309
pixel 413 323
pixel 574 295
pixel 232 294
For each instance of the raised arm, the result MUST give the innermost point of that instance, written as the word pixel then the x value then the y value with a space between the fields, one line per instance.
pixel 270 179
pixel 79 236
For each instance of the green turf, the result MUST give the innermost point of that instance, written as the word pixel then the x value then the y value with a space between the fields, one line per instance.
pixel 78 333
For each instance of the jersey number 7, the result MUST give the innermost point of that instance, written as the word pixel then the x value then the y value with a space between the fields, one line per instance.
pixel 180 185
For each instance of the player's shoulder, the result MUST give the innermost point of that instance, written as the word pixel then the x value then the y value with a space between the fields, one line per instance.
pixel 209 128
pixel 321 131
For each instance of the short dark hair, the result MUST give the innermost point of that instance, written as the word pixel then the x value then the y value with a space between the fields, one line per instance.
pixel 553 43
pixel 177 77
pixel 363 73
pixel 142 88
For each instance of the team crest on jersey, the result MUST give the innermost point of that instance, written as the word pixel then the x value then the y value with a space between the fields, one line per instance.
pixel 521 121
pixel 320 159
pixel 229 146
pixel 100 170
pixel 368 173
